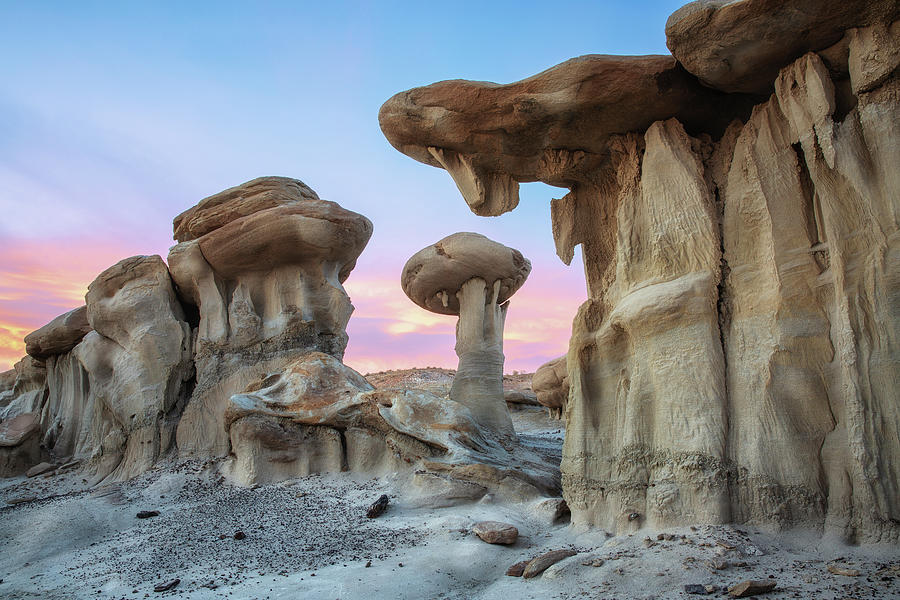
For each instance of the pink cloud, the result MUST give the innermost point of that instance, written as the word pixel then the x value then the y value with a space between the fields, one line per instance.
pixel 43 278
pixel 388 331
pixel 40 279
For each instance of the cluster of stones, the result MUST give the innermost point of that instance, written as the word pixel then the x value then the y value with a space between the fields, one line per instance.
pixel 736 203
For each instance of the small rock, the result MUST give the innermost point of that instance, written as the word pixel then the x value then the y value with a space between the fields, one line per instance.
pixel 846 572
pixel 239 535
pixel 378 507
pixel 540 563
pixel 695 588
pixel 555 510
pixel 40 469
pixel 725 545
pixel 166 586
pixel 146 514
pixel 648 543
pixel 368 563
pixel 717 564
pixel 634 516
pixel 748 588
pixel 21 500
pixel 496 532
pixel 517 569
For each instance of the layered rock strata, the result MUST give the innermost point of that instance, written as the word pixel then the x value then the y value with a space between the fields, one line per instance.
pixel 467 274
pixel 737 360
pixel 264 264
pixel 321 416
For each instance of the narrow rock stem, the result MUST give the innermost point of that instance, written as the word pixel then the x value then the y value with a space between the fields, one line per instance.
pixel 479 345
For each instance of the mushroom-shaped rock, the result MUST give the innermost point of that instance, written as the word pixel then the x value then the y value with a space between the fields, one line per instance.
pixel 467 274
pixel 264 262
pixel 59 335
pixel 551 386
pixel 741 46
pixel 553 127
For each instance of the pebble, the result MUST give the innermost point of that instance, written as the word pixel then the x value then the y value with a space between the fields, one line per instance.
pixel 239 535
pixel 146 514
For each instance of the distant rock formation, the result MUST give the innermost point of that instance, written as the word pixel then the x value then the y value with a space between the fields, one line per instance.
pixel 264 264
pixel 258 272
pixel 738 359
pixel 235 349
pixel 551 386
pixel 467 274
pixel 321 416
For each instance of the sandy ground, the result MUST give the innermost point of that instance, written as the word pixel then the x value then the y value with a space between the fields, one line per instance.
pixel 309 538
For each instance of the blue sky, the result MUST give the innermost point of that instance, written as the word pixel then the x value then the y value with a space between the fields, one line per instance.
pixel 116 116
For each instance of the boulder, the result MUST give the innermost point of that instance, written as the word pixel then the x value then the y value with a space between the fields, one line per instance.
pixel 495 532
pixel 264 264
pixel 59 335
pixel 19 444
pixel 741 46
pixel 551 386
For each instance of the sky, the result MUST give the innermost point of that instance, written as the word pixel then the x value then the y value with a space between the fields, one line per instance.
pixel 117 116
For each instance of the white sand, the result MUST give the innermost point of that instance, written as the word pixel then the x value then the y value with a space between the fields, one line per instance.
pixel 74 542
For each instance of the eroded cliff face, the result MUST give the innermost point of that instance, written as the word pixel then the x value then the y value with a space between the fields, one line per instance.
pixel 737 360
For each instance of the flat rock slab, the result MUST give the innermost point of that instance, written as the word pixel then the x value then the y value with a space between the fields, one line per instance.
pixel 540 563
pixel 496 532
pixel 746 589
pixel 40 469
pixel 14 431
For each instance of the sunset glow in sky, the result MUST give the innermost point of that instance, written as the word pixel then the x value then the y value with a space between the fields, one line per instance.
pixel 115 117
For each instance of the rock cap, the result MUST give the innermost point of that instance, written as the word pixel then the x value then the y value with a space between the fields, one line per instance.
pixel 59 335
pixel 433 275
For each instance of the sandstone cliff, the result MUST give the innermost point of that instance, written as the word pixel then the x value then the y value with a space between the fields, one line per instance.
pixel 737 360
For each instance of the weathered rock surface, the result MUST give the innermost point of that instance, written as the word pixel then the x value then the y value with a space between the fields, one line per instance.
pixel 138 361
pixel 737 360
pixel 59 335
pixel 467 274
pixel 19 443
pixel 554 127
pixel 551 386
pixel 264 263
pixel 242 200
pixel 740 46
pixel 319 415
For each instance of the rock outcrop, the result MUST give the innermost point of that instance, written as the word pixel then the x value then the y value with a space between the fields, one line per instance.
pixel 319 415
pixel 138 362
pixel 264 264
pixel 551 386
pixel 467 274
pixel 59 335
pixel 737 360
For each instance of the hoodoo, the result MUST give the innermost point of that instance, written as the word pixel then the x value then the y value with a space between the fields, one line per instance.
pixel 467 274
pixel 738 358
